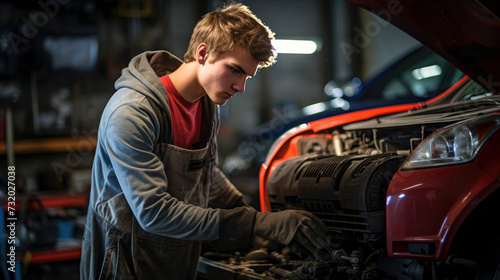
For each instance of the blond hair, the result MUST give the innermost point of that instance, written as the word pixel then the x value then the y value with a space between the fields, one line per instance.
pixel 233 24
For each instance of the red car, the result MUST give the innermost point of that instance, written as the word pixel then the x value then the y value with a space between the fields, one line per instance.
pixel 406 192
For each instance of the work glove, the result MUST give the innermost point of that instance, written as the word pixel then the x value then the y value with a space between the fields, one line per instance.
pixel 292 225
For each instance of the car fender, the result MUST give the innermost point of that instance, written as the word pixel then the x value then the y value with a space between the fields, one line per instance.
pixel 425 208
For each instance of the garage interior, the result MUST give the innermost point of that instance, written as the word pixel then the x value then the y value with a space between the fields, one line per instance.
pixel 60 59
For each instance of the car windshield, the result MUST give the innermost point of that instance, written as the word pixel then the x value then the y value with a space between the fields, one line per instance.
pixel 424 76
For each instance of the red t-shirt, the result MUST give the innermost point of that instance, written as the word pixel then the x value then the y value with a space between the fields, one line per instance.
pixel 187 117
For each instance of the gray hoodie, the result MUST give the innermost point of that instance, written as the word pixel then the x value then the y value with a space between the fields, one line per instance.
pixel 125 163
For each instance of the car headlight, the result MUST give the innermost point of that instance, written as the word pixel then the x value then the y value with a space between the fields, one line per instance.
pixel 454 144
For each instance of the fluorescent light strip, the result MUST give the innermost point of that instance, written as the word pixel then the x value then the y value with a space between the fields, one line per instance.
pixel 294 46
pixel 314 108
pixel 426 72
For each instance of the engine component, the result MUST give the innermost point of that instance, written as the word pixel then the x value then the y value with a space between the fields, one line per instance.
pixel 340 256
pixel 347 193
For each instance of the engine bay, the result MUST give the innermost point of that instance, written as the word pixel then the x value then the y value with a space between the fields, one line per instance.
pixel 342 175
pixel 347 192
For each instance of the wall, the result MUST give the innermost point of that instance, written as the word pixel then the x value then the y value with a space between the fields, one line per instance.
pixel 59 105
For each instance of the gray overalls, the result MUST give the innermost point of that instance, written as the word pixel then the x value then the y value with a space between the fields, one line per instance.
pixel 129 249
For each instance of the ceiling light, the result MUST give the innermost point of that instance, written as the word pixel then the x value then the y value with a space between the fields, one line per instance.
pixel 294 46
pixel 314 108
pixel 426 72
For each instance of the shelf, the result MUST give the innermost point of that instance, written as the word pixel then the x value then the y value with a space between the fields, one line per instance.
pixel 56 256
pixel 51 145
pixel 66 249
pixel 54 200
pixel 64 253
pixel 62 200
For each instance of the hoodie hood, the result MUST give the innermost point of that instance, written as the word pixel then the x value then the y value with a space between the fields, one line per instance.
pixel 143 72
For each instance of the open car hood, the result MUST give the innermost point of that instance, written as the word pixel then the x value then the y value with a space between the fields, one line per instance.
pixel 465 32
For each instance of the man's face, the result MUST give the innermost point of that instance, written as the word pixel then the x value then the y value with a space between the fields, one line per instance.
pixel 223 78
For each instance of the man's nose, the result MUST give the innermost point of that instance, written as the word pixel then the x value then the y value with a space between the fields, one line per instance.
pixel 239 86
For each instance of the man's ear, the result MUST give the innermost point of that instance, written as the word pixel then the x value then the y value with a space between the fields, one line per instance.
pixel 201 53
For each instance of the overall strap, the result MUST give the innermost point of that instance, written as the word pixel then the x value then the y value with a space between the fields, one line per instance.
pixel 208 115
pixel 166 136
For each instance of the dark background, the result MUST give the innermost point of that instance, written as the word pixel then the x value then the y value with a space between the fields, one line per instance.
pixel 60 59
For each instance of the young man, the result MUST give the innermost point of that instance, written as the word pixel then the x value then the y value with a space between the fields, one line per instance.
pixel 156 188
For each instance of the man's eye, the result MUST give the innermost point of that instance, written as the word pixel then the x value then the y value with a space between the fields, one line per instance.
pixel 234 70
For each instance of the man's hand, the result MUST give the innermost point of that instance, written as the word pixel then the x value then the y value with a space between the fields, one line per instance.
pixel 292 225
